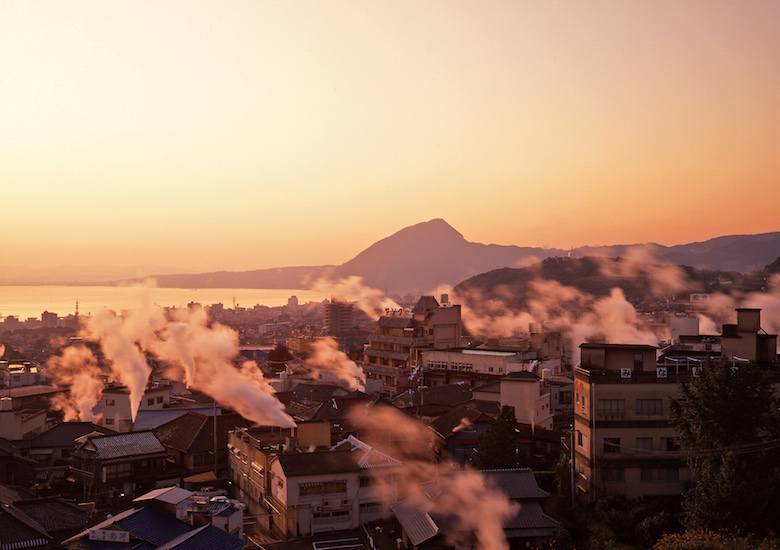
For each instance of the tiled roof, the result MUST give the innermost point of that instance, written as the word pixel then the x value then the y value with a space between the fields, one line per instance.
pixel 17 530
pixel 412 514
pixel 66 433
pixel 387 339
pixel 53 513
pixel 146 524
pixel 449 394
pixel 425 303
pixel 516 483
pixel 207 537
pixel 420 519
pixel 394 322
pixel 126 445
pixel 368 457
pixel 194 432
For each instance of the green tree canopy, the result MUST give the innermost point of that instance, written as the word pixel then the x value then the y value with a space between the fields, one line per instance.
pixel 498 448
pixel 727 419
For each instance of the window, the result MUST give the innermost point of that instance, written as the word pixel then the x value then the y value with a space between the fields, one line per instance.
pixel 613 474
pixel 650 406
pixel 660 474
pixel 150 401
pixel 110 403
pixel 644 444
pixel 159 399
pixel 611 445
pixel 612 407
pixel 579 439
pixel 109 421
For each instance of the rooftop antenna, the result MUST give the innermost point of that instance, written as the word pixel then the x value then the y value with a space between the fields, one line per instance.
pixel 77 308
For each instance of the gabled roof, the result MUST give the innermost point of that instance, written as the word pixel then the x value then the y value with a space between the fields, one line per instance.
pixel 449 394
pixel 123 446
pixel 194 432
pixel 17 530
pixel 169 495
pixel 394 322
pixel 207 537
pixel 65 434
pixel 53 513
pixel 145 523
pixel 424 304
pixel 367 456
pixel 422 518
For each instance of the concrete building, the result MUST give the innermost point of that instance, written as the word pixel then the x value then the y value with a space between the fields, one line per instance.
pixel 394 350
pixel 333 490
pixel 117 411
pixel 624 443
pixel 339 318
pixel 471 366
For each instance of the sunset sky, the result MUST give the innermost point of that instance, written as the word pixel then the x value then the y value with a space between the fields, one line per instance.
pixel 242 135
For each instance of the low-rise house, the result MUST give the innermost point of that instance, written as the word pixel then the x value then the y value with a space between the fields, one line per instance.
pixel 61 519
pixel 151 529
pixel 197 509
pixel 15 469
pixel 18 530
pixel 115 468
pixel 330 490
pixel 190 441
pixel 429 519
pixel 53 447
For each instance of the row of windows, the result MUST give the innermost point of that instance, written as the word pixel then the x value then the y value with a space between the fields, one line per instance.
pixel 617 407
pixel 646 474
pixel 322 488
pixel 643 445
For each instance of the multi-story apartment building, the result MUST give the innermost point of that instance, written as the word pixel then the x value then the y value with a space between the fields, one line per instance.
pixel 339 318
pixel 342 488
pixel 624 442
pixel 471 366
pixel 394 349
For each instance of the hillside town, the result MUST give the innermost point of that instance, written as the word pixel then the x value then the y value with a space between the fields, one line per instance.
pixel 414 428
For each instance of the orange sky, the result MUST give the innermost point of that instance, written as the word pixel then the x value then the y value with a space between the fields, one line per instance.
pixel 241 135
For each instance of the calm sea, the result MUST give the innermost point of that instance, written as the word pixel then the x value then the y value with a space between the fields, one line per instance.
pixel 31 301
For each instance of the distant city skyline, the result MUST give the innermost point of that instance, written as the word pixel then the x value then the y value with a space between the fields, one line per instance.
pixel 204 137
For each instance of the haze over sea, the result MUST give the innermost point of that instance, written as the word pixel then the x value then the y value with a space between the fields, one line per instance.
pixel 30 301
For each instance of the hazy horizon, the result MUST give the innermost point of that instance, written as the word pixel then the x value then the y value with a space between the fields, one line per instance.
pixel 208 137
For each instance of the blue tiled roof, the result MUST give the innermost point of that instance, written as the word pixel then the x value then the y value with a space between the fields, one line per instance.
pixel 207 537
pixel 153 526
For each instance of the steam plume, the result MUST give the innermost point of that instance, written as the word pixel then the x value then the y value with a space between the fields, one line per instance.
pixel 195 352
pixel 77 368
pixel 369 300
pixel 327 358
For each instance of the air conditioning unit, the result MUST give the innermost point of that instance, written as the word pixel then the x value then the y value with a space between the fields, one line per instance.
pixel 317 507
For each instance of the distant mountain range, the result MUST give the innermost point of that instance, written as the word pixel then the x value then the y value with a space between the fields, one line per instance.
pixel 417 258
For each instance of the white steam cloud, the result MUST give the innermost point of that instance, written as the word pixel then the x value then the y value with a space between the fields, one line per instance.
pixel 195 352
pixel 326 358
pixel 369 300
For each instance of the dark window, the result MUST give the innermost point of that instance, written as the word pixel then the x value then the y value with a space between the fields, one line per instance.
pixel 611 445
pixel 644 444
pixel 638 362
pixel 612 407
pixel 110 403
pixel 613 474
pixel 650 406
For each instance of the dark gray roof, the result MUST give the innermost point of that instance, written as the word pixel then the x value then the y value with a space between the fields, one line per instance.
pixel 397 355
pixel 53 513
pixel 65 434
pixel 318 463
pixel 17 530
pixel 517 483
pixel 394 322
pixel 145 523
pixel 425 303
pixel 447 422
pixel 449 394
pixel 530 516
pixel 207 537
pixel 126 445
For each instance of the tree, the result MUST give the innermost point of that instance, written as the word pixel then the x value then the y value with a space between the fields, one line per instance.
pixel 279 354
pixel 498 448
pixel 728 421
